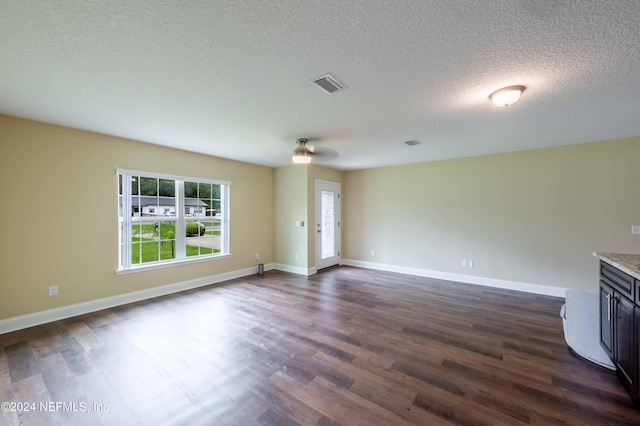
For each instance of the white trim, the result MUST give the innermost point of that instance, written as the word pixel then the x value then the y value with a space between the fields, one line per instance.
pixel 294 269
pixel 42 317
pixel 171 263
pixel 328 181
pixel 545 290
pixel 169 176
pixel 180 227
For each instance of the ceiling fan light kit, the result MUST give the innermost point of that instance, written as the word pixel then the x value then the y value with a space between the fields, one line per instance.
pixel 506 96
pixel 301 155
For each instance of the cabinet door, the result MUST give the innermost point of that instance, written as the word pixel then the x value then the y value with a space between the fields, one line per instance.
pixel 625 342
pixel 606 316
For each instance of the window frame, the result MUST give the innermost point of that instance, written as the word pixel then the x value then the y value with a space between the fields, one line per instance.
pixel 125 220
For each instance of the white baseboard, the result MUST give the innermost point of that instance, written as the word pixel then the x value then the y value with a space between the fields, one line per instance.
pixel 294 269
pixel 37 318
pixel 467 279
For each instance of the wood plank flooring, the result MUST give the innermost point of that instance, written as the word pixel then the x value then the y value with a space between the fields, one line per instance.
pixel 347 346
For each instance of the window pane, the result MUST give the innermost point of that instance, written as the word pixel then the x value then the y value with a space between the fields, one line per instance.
pixel 197 246
pixel 167 240
pixel 150 251
pixel 204 190
pixel 135 253
pixel 190 193
pixel 149 228
pixel 142 232
pixel 216 207
pixel 135 206
pixel 148 186
pixel 135 184
pixel 195 229
pixel 136 232
pixel 191 190
pixel 167 206
pixel 121 242
pixel 327 241
pixel 199 238
pixel 217 240
pixel 167 188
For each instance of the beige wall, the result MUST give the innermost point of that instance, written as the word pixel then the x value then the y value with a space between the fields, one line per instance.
pixel 291 206
pixel 295 200
pixel 59 214
pixel 533 216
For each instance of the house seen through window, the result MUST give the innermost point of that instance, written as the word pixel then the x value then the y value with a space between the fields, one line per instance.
pixel 167 219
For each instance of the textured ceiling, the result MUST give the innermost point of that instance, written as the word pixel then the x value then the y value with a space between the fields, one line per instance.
pixel 232 78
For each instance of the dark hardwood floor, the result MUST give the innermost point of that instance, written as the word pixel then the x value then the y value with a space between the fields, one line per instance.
pixel 347 346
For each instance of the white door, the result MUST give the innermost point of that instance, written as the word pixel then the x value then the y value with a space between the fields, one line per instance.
pixel 327 224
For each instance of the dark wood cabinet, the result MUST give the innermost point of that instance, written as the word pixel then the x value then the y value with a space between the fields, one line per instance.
pixel 619 325
pixel 625 343
pixel 606 318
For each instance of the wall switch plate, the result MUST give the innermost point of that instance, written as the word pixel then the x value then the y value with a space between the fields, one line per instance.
pixel 635 229
pixel 53 290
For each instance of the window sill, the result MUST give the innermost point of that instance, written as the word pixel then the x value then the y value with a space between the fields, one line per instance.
pixel 152 266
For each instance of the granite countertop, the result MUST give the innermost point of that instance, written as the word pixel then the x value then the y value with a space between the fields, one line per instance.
pixel 629 263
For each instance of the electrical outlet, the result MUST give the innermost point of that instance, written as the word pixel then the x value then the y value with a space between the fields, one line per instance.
pixel 635 229
pixel 296 256
pixel 464 263
pixel 258 257
pixel 53 290
pixel 470 263
pixel 373 253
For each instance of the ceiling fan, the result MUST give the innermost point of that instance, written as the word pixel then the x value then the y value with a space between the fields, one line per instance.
pixel 304 153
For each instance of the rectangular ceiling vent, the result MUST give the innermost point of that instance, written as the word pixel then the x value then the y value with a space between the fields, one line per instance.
pixel 413 142
pixel 329 84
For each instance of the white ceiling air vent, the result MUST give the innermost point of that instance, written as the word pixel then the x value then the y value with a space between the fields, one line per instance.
pixel 413 142
pixel 329 84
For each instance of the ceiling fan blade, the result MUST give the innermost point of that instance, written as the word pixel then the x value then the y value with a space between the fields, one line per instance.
pixel 323 154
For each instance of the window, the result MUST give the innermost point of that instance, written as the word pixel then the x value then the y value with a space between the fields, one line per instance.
pixel 152 233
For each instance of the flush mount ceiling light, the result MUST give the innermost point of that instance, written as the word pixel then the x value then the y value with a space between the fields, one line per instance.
pixel 301 155
pixel 506 96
